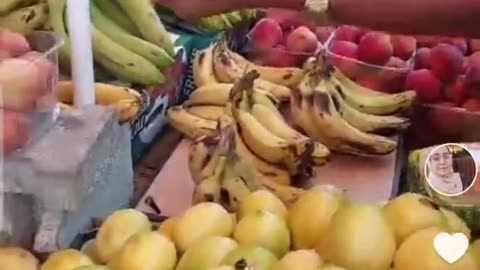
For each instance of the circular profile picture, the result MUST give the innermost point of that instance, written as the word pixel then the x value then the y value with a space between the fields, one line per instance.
pixel 451 169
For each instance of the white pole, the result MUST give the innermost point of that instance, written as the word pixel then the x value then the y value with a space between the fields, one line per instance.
pixel 79 27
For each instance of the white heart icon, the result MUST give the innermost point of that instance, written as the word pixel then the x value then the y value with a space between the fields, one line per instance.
pixel 451 247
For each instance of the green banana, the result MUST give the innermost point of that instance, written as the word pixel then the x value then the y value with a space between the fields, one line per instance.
pixel 26 19
pixel 145 17
pixel 123 63
pixel 234 17
pixel 113 11
pixel 249 14
pixel 214 24
pixel 57 9
pixel 158 56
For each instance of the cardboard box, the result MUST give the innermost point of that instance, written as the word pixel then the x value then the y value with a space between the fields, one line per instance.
pixel 153 119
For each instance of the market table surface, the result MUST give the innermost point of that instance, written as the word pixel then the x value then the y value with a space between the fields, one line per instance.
pixel 365 180
pixel 147 168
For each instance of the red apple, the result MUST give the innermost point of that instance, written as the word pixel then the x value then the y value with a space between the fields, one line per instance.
pixel 459 43
pixel 375 48
pixel 4 55
pixel 427 86
pixel 279 57
pixel 472 75
pixel 446 62
pixel 266 34
pixel 475 57
pixel 404 46
pixel 302 40
pixel 15 132
pixel 348 33
pixel 456 92
pixel 19 84
pixel 13 43
pixel 394 79
pixel 323 33
pixel 345 54
pixel 427 41
pixel 475 45
pixel 423 58
pixel 472 105
pixel 48 71
pixel 396 62
pixel 371 82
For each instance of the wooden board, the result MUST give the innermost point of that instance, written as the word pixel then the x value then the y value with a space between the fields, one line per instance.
pixel 365 180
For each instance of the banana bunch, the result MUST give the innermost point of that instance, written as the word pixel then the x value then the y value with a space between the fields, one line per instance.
pixel 129 40
pixel 217 64
pixel 265 137
pixel 227 21
pixel 127 102
pixel 221 173
pixel 346 117
pixel 199 114
pixel 23 16
pixel 229 67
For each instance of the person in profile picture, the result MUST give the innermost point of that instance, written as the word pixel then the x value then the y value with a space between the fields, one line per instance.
pixel 443 170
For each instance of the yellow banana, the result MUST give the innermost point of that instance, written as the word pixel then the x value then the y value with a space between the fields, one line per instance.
pixel 128 102
pixel 230 67
pixel 128 109
pixel 276 124
pixel 211 94
pixel 26 19
pixel 301 114
pixel 188 124
pixel 218 94
pixel 379 124
pixel 208 190
pixel 221 144
pixel 287 194
pixel 261 97
pixel 320 154
pixel 370 101
pixel 105 94
pixel 235 190
pixel 280 92
pixel 200 153
pixel 272 171
pixel 207 111
pixel 301 111
pixel 262 142
pixel 226 68
pixel 340 136
pixel 203 73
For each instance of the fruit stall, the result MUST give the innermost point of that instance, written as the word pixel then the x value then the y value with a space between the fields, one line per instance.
pixel 135 140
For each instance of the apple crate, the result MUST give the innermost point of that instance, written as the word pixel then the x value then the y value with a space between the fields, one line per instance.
pixel 375 60
pixel 28 77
